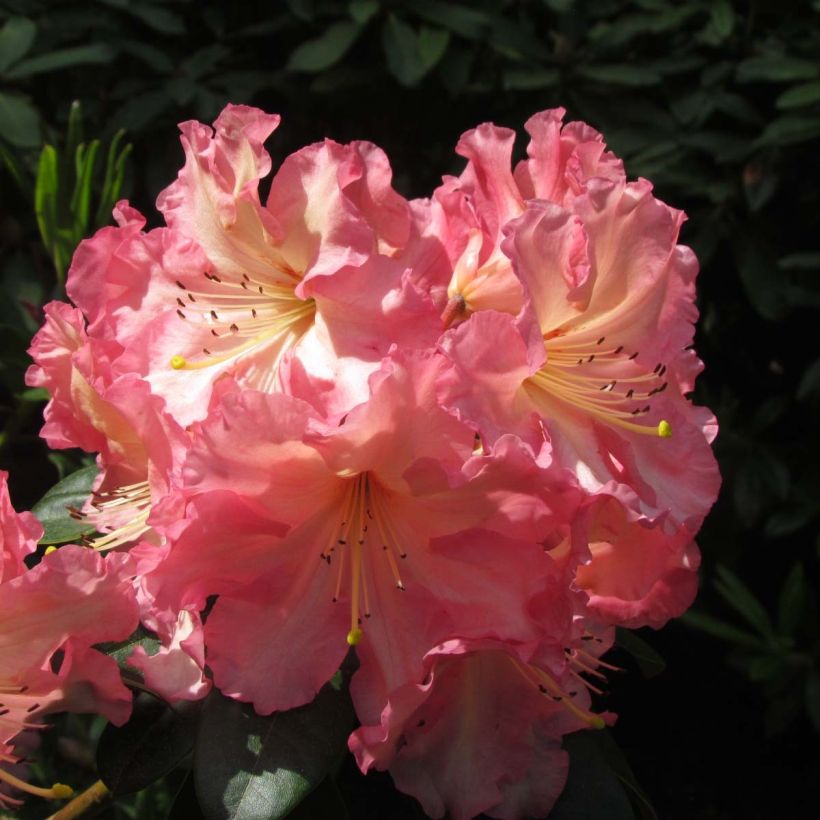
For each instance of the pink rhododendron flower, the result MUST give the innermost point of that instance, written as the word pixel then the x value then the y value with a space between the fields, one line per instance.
pixel 480 734
pixel 452 433
pixel 307 531
pixel 593 372
pixel 140 446
pixel 50 617
pixel 19 534
pixel 234 287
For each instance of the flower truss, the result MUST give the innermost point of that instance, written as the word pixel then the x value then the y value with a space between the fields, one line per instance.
pixel 452 433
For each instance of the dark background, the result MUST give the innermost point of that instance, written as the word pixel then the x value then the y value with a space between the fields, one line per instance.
pixel 716 101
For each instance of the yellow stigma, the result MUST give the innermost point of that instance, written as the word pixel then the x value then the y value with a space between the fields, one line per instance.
pixel 354 637
pixel 597 722
pixel 51 549
pixel 665 429
pixel 61 791
pixel 178 362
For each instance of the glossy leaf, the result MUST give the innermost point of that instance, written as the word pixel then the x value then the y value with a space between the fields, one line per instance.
pixel 325 50
pixel 52 508
pixel 19 121
pixel 799 96
pixel 121 650
pixel 16 37
pixel 154 741
pixel 252 766
pixel 649 661
pixel 593 791
pixel 93 54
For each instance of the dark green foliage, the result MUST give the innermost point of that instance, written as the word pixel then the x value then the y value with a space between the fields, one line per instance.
pixel 716 101
pixel 249 766
pixel 155 740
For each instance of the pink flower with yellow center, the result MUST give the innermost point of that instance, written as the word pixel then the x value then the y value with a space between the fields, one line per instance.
pixel 594 369
pixel 234 287
pixel 140 446
pixel 386 532
pixel 50 617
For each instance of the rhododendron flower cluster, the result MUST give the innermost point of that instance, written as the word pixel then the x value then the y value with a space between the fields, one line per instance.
pixel 452 433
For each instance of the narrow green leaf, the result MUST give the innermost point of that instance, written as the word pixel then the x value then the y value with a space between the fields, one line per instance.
pixel 811 694
pixel 46 192
pixel 792 601
pixel 809 260
pixel 526 79
pixel 776 68
pixel 81 198
pixel 325 50
pixel 93 54
pixel 649 661
pixel 154 741
pixel 16 38
pixel 743 601
pixel 627 75
pixel 74 134
pixel 249 766
pixel 52 508
pixel 799 96
pixel 720 629
pixel 108 194
pixel 19 121
pixel 789 130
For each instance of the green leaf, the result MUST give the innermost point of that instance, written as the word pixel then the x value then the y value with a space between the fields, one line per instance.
pixel 792 601
pixel 762 281
pixel 809 260
pixel 361 11
pixel 325 50
pixel 16 38
pixel 154 741
pixel 789 130
pixel 410 55
pixel 776 68
pixel 810 382
pixel 743 601
pixel 526 79
pixel 627 75
pixel 594 791
pixel 252 766
pixel 81 197
pixel 720 629
pixel 46 192
pixel 467 22
pixel 19 121
pixel 649 661
pixel 800 95
pixel 120 651
pixel 52 508
pixel 721 23
pixel 811 694
pixel 93 54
